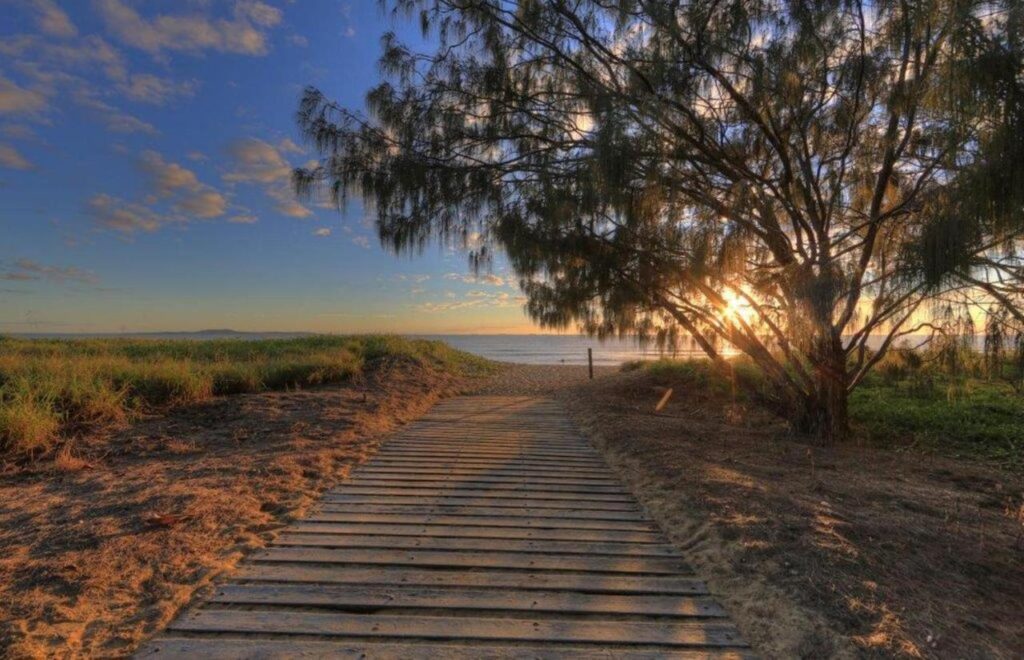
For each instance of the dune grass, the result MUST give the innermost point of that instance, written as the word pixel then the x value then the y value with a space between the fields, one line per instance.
pixel 926 409
pixel 52 389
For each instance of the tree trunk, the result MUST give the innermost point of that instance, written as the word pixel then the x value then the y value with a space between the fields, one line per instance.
pixel 826 410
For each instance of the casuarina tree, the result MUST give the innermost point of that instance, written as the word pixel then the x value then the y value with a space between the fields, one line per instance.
pixel 806 181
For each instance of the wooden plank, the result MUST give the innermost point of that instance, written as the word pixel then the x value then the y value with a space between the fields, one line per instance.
pixel 518 463
pixel 701 634
pixel 482 475
pixel 547 490
pixel 543 490
pixel 490 528
pixel 485 511
pixel 457 559
pixel 503 502
pixel 458 531
pixel 594 583
pixel 404 596
pixel 594 476
pixel 288 649
pixel 496 452
pixel 484 521
pixel 290 538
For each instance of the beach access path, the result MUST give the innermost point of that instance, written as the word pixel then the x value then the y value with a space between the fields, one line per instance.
pixel 488 528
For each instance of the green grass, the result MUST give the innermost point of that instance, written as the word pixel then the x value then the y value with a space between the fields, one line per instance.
pixel 977 418
pixel 926 410
pixel 54 388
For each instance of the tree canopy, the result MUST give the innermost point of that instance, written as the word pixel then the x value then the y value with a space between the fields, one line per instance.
pixel 807 181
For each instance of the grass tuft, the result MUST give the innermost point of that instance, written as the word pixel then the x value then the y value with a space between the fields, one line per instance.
pixel 55 388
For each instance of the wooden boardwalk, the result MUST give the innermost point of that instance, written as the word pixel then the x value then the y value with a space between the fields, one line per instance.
pixel 489 528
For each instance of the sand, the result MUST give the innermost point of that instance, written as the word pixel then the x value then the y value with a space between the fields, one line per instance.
pixel 815 553
pixel 847 552
pixel 100 550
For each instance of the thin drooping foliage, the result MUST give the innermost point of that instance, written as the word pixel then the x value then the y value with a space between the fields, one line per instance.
pixel 808 181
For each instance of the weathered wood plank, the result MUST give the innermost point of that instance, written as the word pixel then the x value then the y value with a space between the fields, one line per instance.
pixel 503 502
pixel 278 649
pixel 589 476
pixel 420 449
pixel 701 634
pixel 484 521
pixel 464 598
pixel 458 531
pixel 485 511
pixel 542 490
pixel 490 528
pixel 457 559
pixel 474 545
pixel 583 582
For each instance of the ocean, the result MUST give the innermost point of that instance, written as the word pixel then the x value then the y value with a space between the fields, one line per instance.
pixel 553 349
pixel 525 349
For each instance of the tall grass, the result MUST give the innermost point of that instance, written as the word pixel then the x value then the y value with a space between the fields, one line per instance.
pixel 54 388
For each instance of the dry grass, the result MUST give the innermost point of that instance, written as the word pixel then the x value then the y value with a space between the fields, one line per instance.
pixel 100 547
pixel 847 552
pixel 55 390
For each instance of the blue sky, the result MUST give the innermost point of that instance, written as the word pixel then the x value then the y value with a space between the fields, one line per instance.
pixel 144 157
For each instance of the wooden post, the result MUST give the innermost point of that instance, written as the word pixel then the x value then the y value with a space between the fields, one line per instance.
pixel 590 362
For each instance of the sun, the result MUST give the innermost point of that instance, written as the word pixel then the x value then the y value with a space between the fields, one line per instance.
pixel 736 307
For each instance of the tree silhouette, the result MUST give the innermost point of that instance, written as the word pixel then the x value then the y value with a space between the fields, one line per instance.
pixel 807 181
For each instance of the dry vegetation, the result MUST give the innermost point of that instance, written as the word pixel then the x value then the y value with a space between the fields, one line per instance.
pixel 52 391
pixel 858 550
pixel 103 541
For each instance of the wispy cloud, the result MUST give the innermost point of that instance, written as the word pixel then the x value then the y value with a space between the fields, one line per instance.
pixel 147 88
pixel 323 232
pixel 124 216
pixel 24 270
pixel 12 159
pixel 114 119
pixel 361 241
pixel 485 278
pixel 53 20
pixel 189 195
pixel 18 100
pixel 470 300
pixel 243 32
pixel 257 162
pixel 172 187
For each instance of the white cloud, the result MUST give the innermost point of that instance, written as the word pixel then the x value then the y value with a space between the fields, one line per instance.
pixel 361 241
pixel 245 32
pixel 261 163
pixel 12 159
pixel 322 232
pixel 243 219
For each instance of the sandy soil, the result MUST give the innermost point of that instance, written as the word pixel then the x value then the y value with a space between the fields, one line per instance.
pixel 101 549
pixel 815 552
